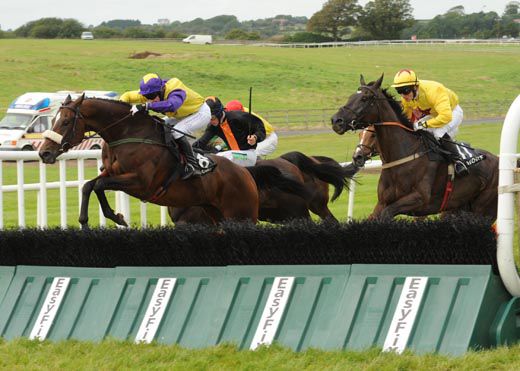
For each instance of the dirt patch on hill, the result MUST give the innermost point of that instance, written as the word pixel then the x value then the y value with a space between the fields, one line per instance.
pixel 144 55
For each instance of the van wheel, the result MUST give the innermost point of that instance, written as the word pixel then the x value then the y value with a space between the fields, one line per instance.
pixel 95 146
pixel 27 148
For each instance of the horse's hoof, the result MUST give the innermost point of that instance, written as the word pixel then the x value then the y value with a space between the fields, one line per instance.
pixel 85 227
pixel 120 219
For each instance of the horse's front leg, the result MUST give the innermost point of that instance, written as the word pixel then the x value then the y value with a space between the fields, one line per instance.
pixel 123 182
pixel 376 213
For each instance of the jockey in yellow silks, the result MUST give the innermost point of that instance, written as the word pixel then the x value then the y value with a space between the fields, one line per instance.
pixel 433 107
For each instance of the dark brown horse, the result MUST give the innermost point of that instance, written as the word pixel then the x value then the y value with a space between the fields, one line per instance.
pixel 139 163
pixel 416 186
pixel 278 205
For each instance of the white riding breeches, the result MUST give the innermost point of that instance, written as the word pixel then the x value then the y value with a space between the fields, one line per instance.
pixel 192 123
pixel 239 157
pixel 268 145
pixel 451 127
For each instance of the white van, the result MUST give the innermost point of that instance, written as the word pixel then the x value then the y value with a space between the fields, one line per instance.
pixel 198 39
pixel 87 35
pixel 29 115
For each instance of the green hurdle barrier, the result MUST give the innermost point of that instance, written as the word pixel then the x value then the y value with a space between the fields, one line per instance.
pixel 426 308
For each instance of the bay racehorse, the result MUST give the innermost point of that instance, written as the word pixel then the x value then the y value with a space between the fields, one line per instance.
pixel 279 205
pixel 412 183
pixel 137 161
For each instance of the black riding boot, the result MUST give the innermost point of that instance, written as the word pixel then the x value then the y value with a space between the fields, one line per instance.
pixel 451 146
pixel 192 167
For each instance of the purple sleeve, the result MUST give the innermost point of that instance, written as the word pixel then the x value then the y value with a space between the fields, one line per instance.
pixel 171 104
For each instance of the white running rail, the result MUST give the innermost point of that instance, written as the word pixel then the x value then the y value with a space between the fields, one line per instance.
pixel 122 200
pixel 506 201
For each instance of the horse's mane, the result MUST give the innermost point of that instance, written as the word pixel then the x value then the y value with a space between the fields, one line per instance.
pixel 397 108
pixel 124 107
pixel 110 101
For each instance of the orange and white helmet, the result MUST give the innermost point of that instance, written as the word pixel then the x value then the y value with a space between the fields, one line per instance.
pixel 405 77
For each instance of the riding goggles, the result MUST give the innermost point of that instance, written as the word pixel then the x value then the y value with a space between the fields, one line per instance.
pixel 404 90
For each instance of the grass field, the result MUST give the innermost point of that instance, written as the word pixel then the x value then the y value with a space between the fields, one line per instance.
pixel 282 78
pixel 114 355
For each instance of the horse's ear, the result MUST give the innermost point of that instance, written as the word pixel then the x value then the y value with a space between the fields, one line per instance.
pixel 362 80
pixel 67 100
pixel 379 81
pixel 80 99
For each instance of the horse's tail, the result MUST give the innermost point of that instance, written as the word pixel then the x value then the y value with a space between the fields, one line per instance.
pixel 268 177
pixel 325 169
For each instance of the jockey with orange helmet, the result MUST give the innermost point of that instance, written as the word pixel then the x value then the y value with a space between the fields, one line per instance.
pixel 185 110
pixel 240 131
pixel 268 145
pixel 433 107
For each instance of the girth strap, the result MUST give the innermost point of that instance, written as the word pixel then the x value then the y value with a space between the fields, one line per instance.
pixel 403 160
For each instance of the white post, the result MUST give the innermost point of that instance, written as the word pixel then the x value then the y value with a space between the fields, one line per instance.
pixel 351 194
pixel 506 207
pixel 20 192
pixel 144 220
pixel 81 180
pixel 42 197
pixel 1 196
pixel 63 193
pixel 164 215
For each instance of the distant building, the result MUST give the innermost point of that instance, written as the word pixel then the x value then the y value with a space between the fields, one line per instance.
pixel 163 22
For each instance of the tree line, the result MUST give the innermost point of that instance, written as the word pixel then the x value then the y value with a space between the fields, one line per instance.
pixel 338 20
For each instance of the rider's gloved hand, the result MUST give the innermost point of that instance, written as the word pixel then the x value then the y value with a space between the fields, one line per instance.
pixel 421 124
pixel 138 108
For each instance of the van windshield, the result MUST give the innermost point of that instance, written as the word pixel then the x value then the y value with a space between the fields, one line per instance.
pixel 15 121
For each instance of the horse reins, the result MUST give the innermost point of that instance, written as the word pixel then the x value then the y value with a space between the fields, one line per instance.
pixel 77 114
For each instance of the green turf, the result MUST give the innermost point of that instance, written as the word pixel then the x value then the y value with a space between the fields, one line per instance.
pixel 282 78
pixel 114 355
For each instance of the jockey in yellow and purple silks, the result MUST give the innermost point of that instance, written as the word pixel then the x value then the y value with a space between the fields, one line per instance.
pixel 433 107
pixel 185 109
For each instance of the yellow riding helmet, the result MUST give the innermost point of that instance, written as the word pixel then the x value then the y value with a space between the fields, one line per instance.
pixel 405 78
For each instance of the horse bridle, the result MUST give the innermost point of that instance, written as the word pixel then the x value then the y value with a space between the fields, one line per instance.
pixel 372 149
pixel 65 145
pixel 369 103
pixel 63 140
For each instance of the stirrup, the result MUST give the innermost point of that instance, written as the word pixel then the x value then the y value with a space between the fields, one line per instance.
pixel 190 171
pixel 461 168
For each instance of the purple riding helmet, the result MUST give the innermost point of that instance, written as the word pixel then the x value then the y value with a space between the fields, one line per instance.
pixel 150 84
